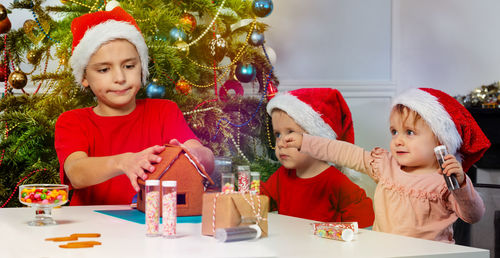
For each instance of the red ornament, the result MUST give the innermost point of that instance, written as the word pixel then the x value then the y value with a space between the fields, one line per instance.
pixel 188 21
pixel 4 73
pixel 183 87
pixel 5 25
pixel 271 90
pixel 230 85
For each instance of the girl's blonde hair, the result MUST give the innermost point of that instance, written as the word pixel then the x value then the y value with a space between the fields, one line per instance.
pixel 407 115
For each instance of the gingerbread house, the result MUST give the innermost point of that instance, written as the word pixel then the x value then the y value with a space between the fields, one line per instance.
pixel 177 164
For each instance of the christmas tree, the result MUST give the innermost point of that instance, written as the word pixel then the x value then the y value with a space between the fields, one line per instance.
pixel 199 50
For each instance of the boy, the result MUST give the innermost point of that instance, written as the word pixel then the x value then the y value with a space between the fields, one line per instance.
pixel 102 150
pixel 306 187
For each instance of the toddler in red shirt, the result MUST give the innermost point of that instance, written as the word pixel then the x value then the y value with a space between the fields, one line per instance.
pixel 102 150
pixel 306 187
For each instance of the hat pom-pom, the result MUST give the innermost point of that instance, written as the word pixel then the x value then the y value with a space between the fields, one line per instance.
pixel 111 5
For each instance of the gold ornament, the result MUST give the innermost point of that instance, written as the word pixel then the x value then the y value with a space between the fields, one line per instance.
pixel 63 59
pixel 182 46
pixel 64 1
pixel 18 79
pixel 3 12
pixel 33 32
pixel 31 57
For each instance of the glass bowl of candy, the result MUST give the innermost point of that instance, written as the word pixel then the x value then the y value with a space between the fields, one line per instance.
pixel 43 197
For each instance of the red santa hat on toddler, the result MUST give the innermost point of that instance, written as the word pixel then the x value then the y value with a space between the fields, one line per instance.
pixel 92 30
pixel 319 111
pixel 453 125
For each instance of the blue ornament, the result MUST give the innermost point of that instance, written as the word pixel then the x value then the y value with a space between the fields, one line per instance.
pixel 245 72
pixel 176 34
pixel 262 8
pixel 155 91
pixel 256 38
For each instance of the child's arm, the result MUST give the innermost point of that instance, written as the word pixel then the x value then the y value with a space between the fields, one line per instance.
pixel 203 154
pixel 465 201
pixel 83 171
pixel 339 152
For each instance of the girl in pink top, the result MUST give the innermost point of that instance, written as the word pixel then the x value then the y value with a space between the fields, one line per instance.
pixel 411 197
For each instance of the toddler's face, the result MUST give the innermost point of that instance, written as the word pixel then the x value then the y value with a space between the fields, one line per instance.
pixel 114 75
pixel 412 143
pixel 290 158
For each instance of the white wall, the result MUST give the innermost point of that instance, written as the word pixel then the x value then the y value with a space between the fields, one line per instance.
pixel 448 44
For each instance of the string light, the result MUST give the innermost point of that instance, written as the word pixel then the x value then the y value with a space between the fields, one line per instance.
pixel 192 112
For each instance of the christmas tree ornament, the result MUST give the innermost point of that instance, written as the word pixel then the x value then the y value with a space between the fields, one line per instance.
pixel 31 57
pixel 256 38
pixel 245 72
pixel 271 90
pixel 177 34
pixel 154 90
pixel 230 85
pixel 31 29
pixel 182 46
pixel 63 60
pixel 111 5
pixel 18 79
pixel 5 25
pixel 64 1
pixel 3 12
pixel 218 48
pixel 262 8
pixel 4 72
pixel 183 87
pixel 188 21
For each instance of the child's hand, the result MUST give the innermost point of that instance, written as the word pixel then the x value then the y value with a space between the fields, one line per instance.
pixel 452 166
pixel 134 165
pixel 293 140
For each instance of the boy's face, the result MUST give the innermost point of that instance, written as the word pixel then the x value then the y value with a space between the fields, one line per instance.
pixel 290 158
pixel 413 142
pixel 113 74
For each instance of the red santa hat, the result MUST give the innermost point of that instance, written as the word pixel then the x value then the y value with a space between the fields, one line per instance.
pixel 452 124
pixel 92 30
pixel 319 111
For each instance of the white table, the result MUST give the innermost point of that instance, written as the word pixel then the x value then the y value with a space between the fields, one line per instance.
pixel 289 237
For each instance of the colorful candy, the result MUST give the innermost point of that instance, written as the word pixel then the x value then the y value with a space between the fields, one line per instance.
pixel 169 208
pixel 350 225
pixel 243 178
pixel 152 207
pixel 227 188
pixel 255 184
pixel 243 181
pixel 331 231
pixel 43 196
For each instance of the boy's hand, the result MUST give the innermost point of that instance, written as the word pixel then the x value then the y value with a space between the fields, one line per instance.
pixel 134 165
pixel 293 140
pixel 452 166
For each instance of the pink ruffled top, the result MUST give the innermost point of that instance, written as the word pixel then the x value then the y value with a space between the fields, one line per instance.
pixel 415 205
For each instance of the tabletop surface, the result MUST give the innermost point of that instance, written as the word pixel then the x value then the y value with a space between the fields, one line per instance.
pixel 288 237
